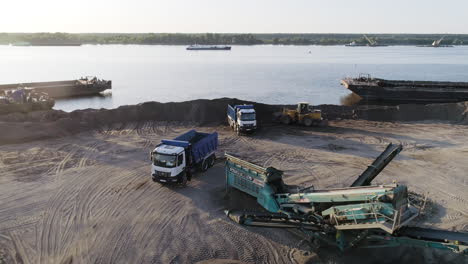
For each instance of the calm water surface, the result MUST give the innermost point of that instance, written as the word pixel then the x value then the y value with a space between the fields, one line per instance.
pixel 269 74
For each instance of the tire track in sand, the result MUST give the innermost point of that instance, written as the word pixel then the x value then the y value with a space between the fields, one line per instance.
pixel 68 212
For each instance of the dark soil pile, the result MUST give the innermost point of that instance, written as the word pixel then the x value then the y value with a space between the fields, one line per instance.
pixel 21 127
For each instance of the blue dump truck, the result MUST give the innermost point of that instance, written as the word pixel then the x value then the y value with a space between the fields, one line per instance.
pixel 174 161
pixel 241 118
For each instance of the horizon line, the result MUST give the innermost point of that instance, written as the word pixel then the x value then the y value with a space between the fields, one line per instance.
pixel 238 33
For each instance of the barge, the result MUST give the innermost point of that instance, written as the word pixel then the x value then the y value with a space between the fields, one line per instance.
pixel 208 47
pixel 381 90
pixel 61 89
pixel 24 100
pixel 436 44
pixel 56 44
pixel 371 43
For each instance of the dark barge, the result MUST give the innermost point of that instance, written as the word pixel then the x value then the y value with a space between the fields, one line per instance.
pixel 24 100
pixel 380 90
pixel 208 47
pixel 61 89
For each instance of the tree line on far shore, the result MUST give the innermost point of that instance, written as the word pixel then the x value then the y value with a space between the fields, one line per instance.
pixel 228 39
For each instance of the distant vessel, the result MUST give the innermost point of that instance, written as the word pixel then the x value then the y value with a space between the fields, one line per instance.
pixel 208 47
pixel 60 89
pixel 436 44
pixel 371 43
pixel 355 44
pixel 21 44
pixel 57 44
pixel 375 89
pixel 25 44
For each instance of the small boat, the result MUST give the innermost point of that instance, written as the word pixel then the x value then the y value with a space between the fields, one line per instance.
pixel 371 43
pixel 208 47
pixel 355 44
pixel 380 90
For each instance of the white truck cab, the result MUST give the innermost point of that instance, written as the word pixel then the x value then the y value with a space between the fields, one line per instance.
pixel 246 118
pixel 242 118
pixel 174 161
pixel 169 162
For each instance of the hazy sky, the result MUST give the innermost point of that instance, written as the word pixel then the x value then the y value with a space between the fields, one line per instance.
pixel 257 16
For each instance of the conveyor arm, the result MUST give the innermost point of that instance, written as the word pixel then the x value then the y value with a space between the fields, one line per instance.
pixel 378 165
pixel 315 227
pixel 423 237
pixel 277 220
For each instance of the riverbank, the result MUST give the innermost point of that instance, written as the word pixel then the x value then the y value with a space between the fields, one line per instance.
pixel 38 125
pixel 228 38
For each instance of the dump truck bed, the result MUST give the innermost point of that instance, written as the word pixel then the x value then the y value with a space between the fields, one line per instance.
pixel 201 144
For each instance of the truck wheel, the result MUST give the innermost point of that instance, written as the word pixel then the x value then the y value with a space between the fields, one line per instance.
pixel 308 121
pixel 183 180
pixel 323 123
pixel 286 120
pixel 205 165
pixel 212 160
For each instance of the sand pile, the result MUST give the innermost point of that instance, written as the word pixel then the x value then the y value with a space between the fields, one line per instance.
pixel 22 127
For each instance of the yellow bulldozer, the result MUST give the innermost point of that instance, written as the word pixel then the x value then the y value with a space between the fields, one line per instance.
pixel 303 115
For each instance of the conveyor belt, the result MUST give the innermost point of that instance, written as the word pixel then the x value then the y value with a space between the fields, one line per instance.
pixel 434 234
pixel 377 166
pixel 278 220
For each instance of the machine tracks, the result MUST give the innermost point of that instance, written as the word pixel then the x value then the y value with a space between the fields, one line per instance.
pixel 71 212
pixel 88 198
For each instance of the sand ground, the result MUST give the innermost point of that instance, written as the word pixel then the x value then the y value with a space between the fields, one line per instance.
pixel 89 198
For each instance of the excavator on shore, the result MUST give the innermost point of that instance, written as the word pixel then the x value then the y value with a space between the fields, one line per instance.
pixel 362 215
pixel 437 44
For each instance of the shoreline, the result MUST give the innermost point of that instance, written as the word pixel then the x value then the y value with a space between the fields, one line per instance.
pixel 235 45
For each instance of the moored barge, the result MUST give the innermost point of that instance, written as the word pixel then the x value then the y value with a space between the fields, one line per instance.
pixel 208 47
pixel 61 89
pixel 375 89
pixel 24 100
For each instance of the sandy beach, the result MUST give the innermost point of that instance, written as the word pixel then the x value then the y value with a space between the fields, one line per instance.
pixel 89 198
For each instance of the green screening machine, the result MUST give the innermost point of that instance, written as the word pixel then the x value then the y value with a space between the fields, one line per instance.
pixel 362 215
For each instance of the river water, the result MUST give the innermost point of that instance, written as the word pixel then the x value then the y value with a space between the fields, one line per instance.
pixel 268 74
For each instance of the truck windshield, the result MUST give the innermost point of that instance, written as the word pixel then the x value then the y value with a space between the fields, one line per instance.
pixel 247 117
pixel 163 160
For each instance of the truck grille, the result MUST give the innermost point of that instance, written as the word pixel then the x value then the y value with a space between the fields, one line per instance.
pixel 163 174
